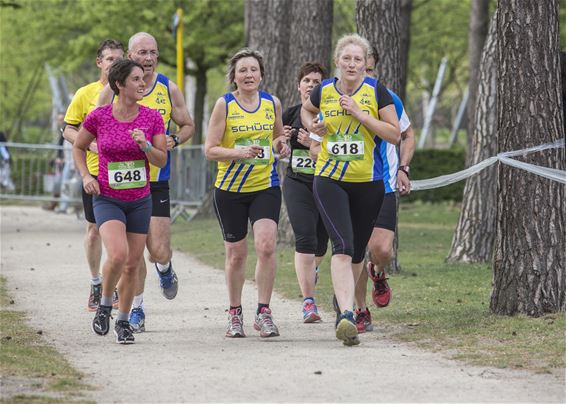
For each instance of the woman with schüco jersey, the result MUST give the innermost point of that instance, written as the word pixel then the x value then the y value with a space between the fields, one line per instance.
pixel 129 136
pixel 244 130
pixel 357 113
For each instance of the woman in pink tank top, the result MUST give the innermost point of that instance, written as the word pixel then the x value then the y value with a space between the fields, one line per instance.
pixel 129 137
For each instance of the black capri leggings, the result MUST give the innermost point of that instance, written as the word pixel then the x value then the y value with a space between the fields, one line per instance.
pixel 310 234
pixel 349 211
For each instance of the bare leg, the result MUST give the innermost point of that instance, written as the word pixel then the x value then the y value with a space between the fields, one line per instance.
pixel 93 249
pixel 265 237
pixel 235 270
pixel 343 280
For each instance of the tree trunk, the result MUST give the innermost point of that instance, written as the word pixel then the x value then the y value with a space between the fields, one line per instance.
pixel 530 258
pixel 477 34
pixel 404 44
pixel 268 29
pixel 310 41
pixel 289 30
pixel 378 22
pixel 475 234
pixel 200 95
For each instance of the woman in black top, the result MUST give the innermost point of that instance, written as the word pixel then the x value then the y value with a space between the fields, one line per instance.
pixel 311 239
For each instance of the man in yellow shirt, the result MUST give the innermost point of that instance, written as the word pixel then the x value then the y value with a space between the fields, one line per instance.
pixel 84 101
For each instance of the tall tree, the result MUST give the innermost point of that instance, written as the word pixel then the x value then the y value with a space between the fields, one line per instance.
pixel 530 258
pixel 404 44
pixel 378 22
pixel 475 234
pixel 477 34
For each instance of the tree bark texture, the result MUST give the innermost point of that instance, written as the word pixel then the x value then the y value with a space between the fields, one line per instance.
pixel 477 34
pixel 378 22
pixel 404 44
pixel 475 234
pixel 289 33
pixel 530 255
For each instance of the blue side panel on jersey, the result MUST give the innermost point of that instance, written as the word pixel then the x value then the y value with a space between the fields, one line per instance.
pixel 377 161
pixel 398 104
pixel 274 178
pixel 386 167
pixel 165 172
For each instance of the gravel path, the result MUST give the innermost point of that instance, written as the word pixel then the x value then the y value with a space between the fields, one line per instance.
pixel 184 357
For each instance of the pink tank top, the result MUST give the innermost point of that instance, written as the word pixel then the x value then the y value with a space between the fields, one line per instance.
pixel 123 167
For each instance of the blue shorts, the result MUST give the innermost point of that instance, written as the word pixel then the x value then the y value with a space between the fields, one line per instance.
pixel 134 214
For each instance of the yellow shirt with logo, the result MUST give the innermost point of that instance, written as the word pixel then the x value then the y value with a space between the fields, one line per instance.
pixel 159 98
pixel 83 102
pixel 349 151
pixel 243 128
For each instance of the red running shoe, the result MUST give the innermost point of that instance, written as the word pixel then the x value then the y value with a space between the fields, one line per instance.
pixel 381 293
pixel 363 321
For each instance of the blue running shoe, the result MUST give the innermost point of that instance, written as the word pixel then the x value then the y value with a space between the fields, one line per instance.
pixel 346 331
pixel 310 312
pixel 137 319
pixel 168 282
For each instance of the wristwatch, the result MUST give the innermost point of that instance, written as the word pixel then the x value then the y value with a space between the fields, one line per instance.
pixel 405 169
pixel 176 140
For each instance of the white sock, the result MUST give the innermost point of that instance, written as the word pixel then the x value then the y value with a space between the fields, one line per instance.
pixel 138 301
pixel 163 268
pixel 96 281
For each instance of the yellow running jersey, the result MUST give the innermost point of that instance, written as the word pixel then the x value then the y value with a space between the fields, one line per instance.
pixel 242 129
pixel 83 102
pixel 158 98
pixel 349 151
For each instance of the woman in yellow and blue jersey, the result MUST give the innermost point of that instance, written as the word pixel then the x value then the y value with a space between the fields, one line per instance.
pixel 354 113
pixel 244 131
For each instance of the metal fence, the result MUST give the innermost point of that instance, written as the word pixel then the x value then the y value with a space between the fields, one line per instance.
pixel 46 173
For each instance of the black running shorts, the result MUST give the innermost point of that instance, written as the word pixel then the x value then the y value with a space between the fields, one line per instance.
pixel 234 209
pixel 160 199
pixel 387 218
pixel 134 214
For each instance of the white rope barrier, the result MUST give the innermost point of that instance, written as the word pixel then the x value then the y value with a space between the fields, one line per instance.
pixel 505 158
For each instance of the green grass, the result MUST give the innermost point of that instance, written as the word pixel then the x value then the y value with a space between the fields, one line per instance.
pixel 438 306
pixel 24 355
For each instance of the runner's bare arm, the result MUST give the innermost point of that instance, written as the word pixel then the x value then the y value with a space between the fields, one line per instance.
pixel 407 149
pixel 83 139
pixel 180 116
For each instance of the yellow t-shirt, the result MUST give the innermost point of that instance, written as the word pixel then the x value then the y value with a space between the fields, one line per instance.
pixel 83 102
pixel 244 128
pixel 349 151
pixel 158 98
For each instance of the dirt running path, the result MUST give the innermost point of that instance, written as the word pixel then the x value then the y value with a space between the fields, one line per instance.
pixel 184 357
